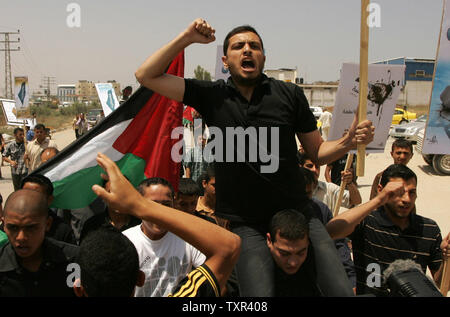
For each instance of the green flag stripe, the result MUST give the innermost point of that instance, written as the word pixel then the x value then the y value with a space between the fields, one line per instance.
pixel 75 191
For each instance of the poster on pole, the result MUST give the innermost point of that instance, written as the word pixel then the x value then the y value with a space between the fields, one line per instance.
pixel 107 97
pixel 10 113
pixel 384 84
pixel 221 72
pixel 437 133
pixel 21 92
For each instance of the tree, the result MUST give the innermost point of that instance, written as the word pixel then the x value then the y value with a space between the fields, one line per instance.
pixel 201 74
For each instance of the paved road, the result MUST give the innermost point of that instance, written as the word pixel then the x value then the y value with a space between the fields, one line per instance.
pixel 433 190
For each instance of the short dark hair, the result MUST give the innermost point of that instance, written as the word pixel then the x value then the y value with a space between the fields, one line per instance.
pixel 188 187
pixel 16 130
pixel 155 181
pixel 289 224
pixel 109 263
pixel 397 171
pixel 237 30
pixel 39 126
pixel 41 180
pixel 308 176
pixel 402 143
pixel 302 157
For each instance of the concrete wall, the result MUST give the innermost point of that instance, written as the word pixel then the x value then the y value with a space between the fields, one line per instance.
pixel 416 93
pixel 288 75
pixel 320 95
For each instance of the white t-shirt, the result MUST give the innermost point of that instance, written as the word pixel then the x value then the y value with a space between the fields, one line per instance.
pixel 328 193
pixel 165 262
pixel 325 118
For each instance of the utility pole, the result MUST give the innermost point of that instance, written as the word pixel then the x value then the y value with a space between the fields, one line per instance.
pixel 47 83
pixel 7 50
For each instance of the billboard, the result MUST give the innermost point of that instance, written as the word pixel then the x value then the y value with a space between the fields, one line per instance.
pixel 437 133
pixel 21 92
pixel 107 97
pixel 384 84
pixel 10 113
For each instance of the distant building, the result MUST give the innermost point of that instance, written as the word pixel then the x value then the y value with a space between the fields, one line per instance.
pixel 116 87
pixel 284 74
pixel 418 80
pixel 66 93
pixel 320 95
pixel 86 91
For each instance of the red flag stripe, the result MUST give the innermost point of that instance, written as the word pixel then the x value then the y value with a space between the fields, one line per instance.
pixel 149 134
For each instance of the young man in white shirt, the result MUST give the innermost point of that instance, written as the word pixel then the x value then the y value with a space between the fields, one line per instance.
pixel 164 258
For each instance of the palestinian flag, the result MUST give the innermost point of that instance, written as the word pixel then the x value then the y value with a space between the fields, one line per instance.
pixel 137 136
pixel 187 116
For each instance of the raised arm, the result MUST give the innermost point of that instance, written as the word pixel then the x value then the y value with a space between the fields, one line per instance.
pixel 221 248
pixel 151 73
pixel 324 152
pixel 355 196
pixel 344 224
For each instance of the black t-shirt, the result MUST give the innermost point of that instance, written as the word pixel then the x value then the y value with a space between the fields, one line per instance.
pixel 276 111
pixel 103 220
pixel 377 240
pixel 49 281
pixel 338 166
pixel 301 284
pixel 59 230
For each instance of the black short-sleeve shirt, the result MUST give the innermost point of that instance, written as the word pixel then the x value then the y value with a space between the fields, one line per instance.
pixel 377 240
pixel 49 281
pixel 276 110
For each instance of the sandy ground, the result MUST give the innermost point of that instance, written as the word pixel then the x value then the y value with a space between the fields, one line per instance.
pixel 433 189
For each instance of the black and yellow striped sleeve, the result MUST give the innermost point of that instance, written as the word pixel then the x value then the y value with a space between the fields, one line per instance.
pixel 200 282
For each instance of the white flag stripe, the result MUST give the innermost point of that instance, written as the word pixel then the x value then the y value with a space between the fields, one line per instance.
pixel 85 157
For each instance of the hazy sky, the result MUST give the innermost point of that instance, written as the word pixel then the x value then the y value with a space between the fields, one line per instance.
pixel 115 37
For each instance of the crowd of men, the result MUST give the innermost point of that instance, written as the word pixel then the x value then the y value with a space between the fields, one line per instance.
pixel 229 229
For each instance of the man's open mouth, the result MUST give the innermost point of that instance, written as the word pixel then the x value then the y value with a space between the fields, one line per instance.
pixel 22 248
pixel 248 65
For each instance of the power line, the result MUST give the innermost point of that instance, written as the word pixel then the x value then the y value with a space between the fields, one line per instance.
pixel 7 50
pixel 48 82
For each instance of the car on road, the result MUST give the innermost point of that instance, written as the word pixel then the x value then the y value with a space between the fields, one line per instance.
pixel 402 116
pixel 439 162
pixel 91 116
pixel 409 130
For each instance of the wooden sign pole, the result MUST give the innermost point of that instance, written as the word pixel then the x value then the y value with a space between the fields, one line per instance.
pixel 363 73
pixel 343 184
pixel 445 276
